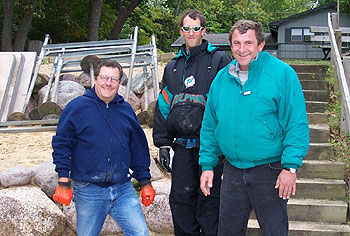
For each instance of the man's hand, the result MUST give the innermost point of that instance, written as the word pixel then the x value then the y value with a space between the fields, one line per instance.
pixel 147 194
pixel 286 182
pixel 63 195
pixel 207 181
pixel 164 158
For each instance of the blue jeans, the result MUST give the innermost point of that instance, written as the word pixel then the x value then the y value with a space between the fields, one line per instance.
pixel 244 190
pixel 120 201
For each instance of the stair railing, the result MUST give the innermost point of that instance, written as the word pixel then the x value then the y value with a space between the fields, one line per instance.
pixel 340 73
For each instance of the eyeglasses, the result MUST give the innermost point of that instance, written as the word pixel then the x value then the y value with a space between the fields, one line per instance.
pixel 195 28
pixel 105 78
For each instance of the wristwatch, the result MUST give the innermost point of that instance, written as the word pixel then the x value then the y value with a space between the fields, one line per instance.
pixel 291 170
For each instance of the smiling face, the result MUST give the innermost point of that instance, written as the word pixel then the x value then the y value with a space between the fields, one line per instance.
pixel 106 89
pixel 192 39
pixel 245 47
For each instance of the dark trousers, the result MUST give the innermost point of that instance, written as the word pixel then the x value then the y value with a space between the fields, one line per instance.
pixel 244 190
pixel 193 213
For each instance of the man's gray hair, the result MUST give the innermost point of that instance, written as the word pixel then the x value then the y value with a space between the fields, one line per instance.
pixel 244 25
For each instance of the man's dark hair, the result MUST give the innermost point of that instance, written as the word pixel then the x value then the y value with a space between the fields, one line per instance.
pixel 108 63
pixel 244 25
pixel 193 14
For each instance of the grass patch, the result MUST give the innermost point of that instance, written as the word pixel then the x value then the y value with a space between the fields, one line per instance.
pixel 340 142
pixel 306 62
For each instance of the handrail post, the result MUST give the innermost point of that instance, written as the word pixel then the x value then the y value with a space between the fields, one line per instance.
pixel 36 72
pixel 132 60
pixel 155 69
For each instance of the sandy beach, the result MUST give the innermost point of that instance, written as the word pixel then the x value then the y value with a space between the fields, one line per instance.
pixel 32 148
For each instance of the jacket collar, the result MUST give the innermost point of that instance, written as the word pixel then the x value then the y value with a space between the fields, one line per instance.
pixel 204 46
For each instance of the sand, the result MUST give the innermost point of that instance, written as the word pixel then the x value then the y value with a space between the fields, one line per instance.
pixel 32 148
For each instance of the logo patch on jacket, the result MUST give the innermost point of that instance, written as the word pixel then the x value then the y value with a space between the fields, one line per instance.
pixel 190 81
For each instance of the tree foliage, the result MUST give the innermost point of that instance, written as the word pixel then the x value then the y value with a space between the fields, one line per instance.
pixel 78 20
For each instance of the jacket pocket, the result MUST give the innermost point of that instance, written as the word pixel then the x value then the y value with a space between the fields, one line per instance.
pixel 185 119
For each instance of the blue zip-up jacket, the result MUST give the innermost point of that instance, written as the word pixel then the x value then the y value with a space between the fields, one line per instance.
pixel 261 122
pixel 86 148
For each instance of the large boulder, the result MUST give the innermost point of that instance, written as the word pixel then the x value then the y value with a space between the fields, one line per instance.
pixel 69 77
pixel 133 99
pixel 138 83
pixel 150 99
pixel 45 177
pixel 18 175
pixel 28 211
pixel 67 91
pixel 85 80
pixel 158 214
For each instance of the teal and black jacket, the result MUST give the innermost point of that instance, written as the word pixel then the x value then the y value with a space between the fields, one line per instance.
pixel 260 122
pixel 182 100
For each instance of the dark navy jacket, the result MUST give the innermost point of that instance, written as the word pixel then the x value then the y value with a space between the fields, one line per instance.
pixel 185 84
pixel 87 149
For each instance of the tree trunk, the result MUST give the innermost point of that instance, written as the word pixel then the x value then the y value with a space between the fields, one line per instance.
pixel 23 28
pixel 6 42
pixel 123 14
pixel 176 13
pixel 94 23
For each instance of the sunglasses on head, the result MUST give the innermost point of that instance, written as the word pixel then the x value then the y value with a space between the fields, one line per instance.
pixel 195 28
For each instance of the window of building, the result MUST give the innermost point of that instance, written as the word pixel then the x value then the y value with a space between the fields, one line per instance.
pixel 300 34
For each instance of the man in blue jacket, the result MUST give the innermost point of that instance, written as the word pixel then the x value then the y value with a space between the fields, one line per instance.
pixel 255 116
pixel 177 121
pixel 98 139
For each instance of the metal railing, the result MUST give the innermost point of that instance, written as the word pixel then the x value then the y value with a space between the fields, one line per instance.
pixel 68 58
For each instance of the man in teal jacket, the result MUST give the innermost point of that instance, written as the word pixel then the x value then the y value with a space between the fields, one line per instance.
pixel 256 116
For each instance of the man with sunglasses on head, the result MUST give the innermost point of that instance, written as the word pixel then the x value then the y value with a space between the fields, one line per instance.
pixel 177 122
pixel 98 139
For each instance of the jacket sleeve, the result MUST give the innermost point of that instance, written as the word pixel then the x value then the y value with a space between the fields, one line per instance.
pixel 209 149
pixel 140 157
pixel 293 118
pixel 63 143
pixel 225 60
pixel 161 136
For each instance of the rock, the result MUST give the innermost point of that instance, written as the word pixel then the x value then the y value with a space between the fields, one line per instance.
pixel 133 99
pixel 45 177
pixel 150 99
pixel 41 81
pixel 69 77
pixel 28 211
pixel 150 112
pixel 110 227
pixel 156 174
pixel 124 79
pixel 85 80
pixel 142 117
pixel 158 214
pixel 138 85
pixel 18 175
pixel 67 91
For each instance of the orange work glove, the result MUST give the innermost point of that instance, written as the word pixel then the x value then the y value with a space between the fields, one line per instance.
pixel 63 195
pixel 147 194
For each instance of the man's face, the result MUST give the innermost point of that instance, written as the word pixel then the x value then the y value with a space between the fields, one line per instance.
pixel 192 39
pixel 245 47
pixel 106 85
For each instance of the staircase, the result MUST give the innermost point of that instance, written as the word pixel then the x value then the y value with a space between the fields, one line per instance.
pixel 318 208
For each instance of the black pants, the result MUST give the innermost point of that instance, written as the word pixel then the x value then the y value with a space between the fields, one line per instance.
pixel 193 213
